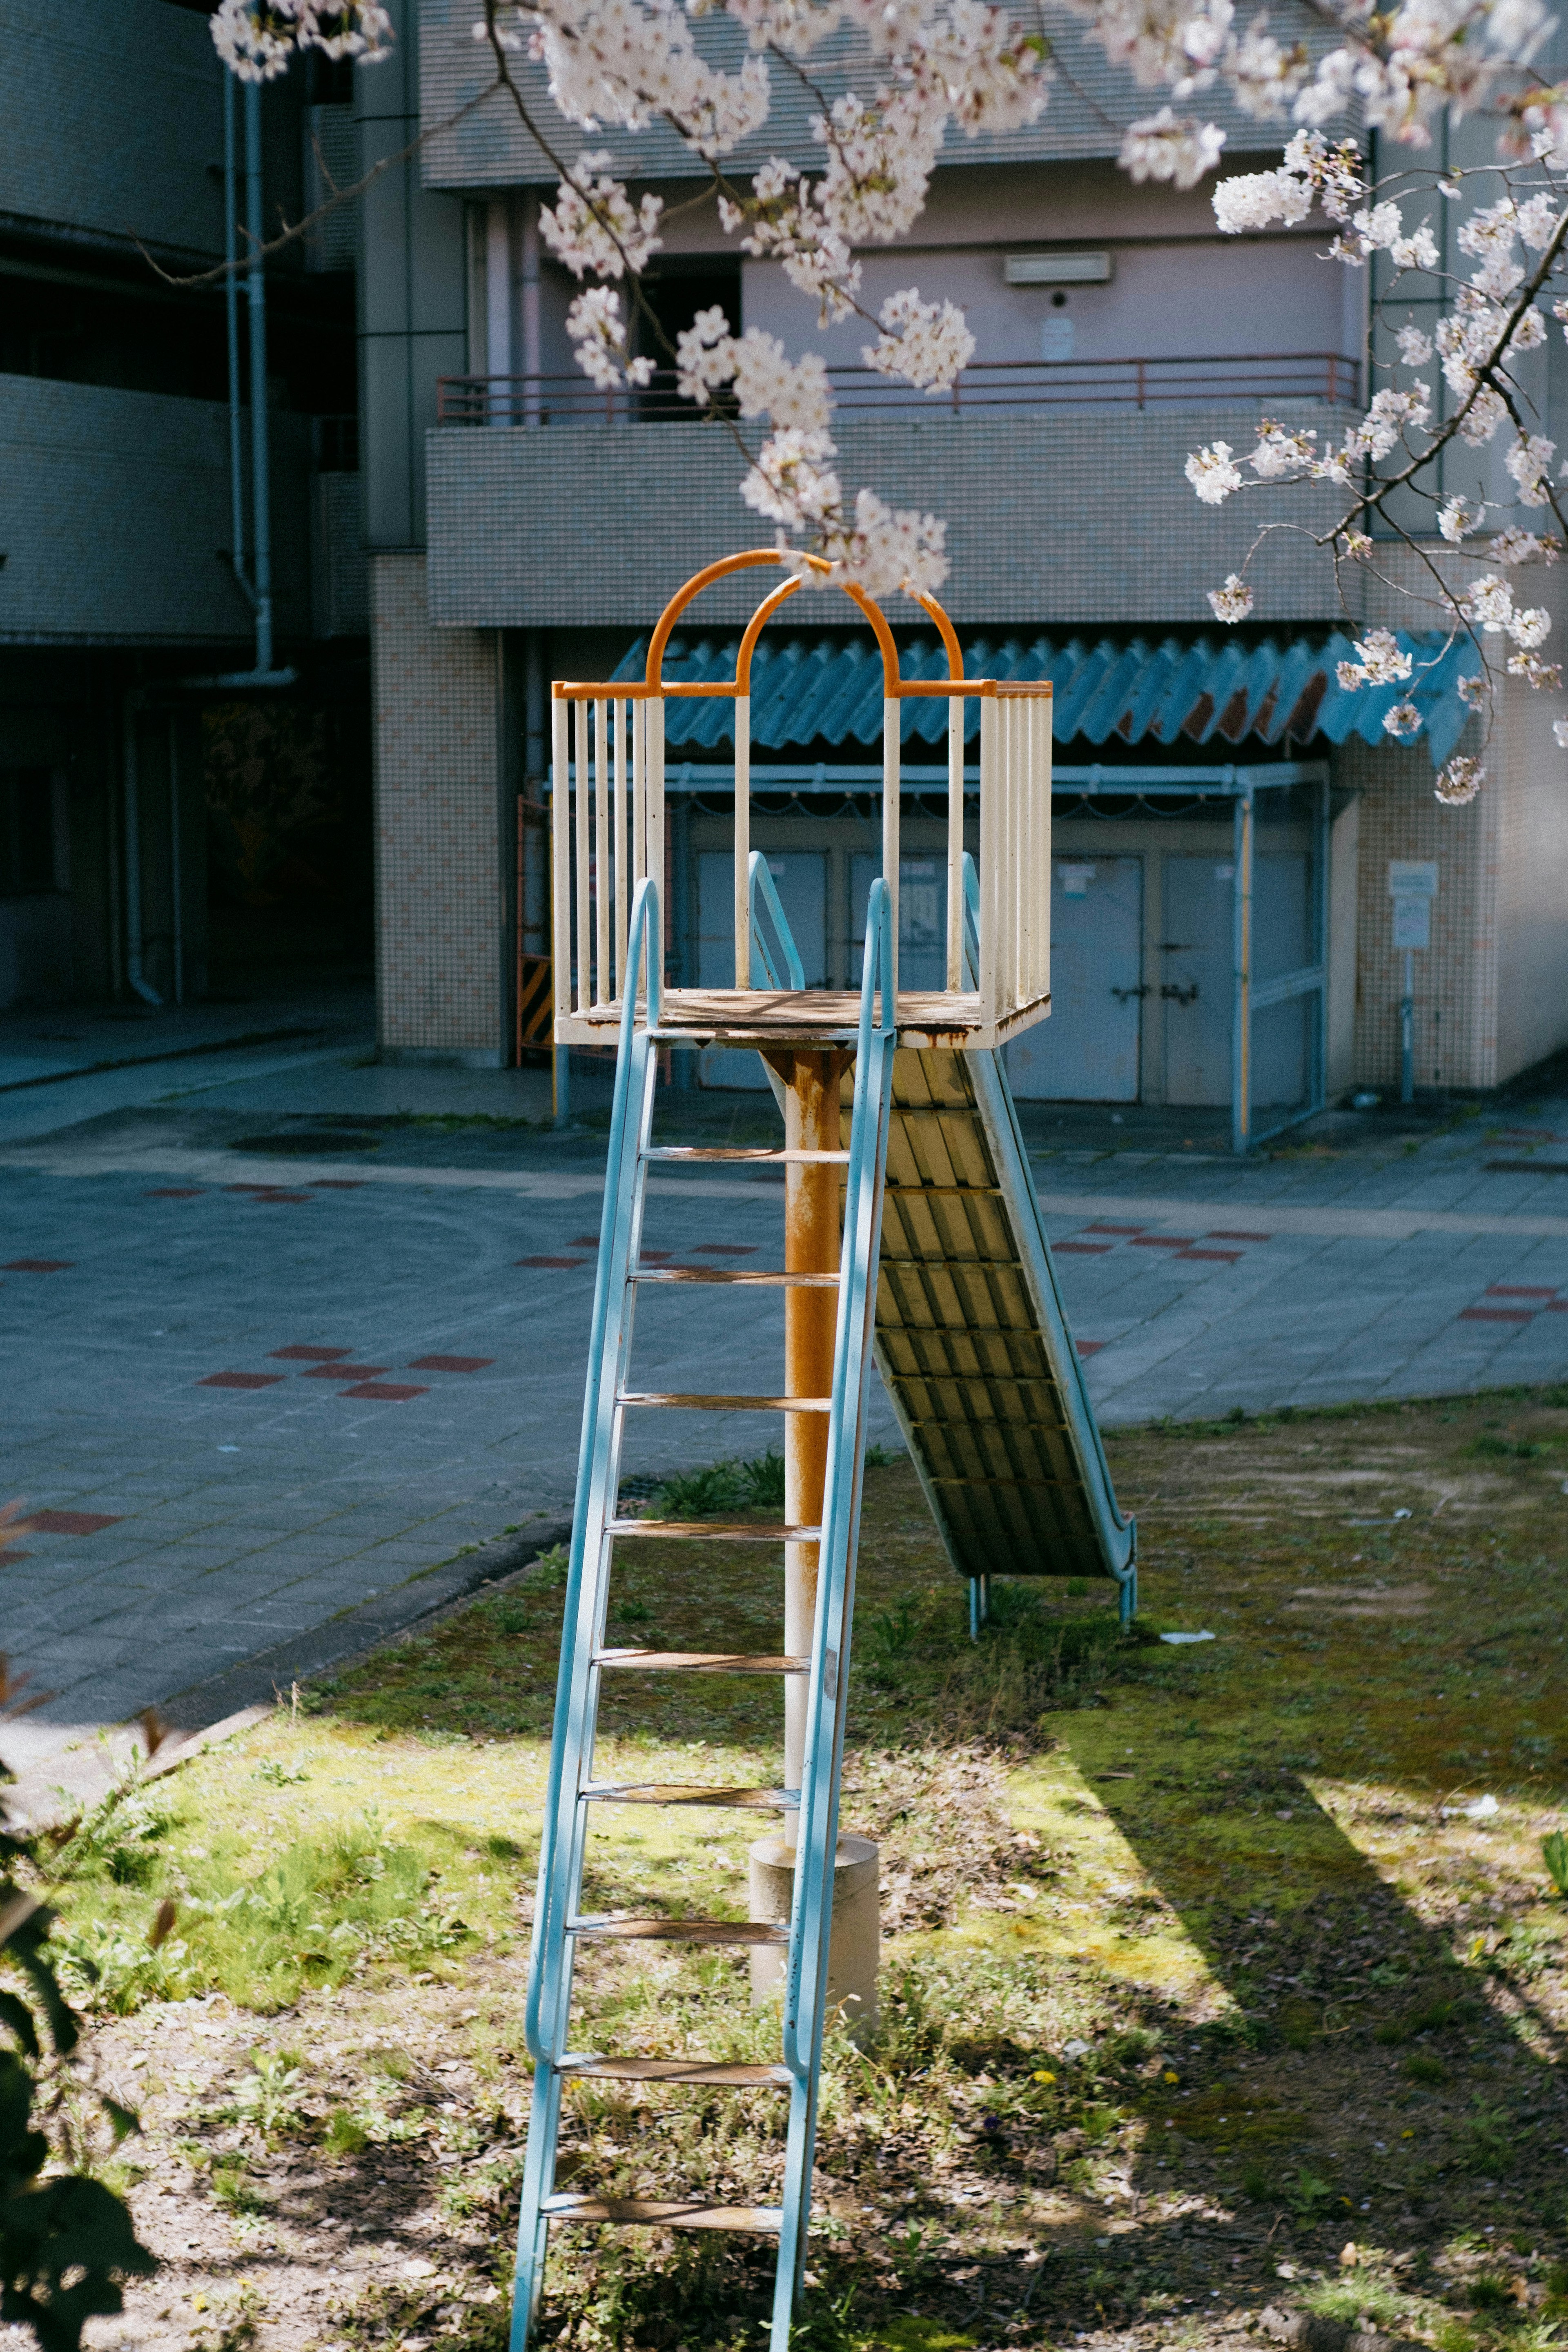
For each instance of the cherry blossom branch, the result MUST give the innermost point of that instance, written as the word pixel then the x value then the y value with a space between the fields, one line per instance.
pixel 261 249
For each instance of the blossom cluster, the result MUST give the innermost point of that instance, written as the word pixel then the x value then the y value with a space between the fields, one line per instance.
pixel 1382 663
pixel 256 39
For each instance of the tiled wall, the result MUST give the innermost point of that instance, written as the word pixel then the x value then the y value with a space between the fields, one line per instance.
pixel 1492 993
pixel 117 503
pixel 1067 519
pixel 490 146
pixel 1456 979
pixel 439 918
pixel 110 119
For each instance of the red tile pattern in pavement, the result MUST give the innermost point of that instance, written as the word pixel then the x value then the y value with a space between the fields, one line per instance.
pixel 337 1183
pixel 1161 1241
pixel 311 1355
pixel 240 1380
pixel 1213 1257
pixel 1113 1229
pixel 1544 1301
pixel 1221 1234
pixel 547 1261
pixel 451 1363
pixel 1080 1249
pixel 70 1523
pixel 344 1373
pixel 1088 1347
pixel 37 1265
pixel 388 1391
pixel 174 1193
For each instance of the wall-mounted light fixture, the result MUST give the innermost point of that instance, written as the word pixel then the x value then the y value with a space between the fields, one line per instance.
pixel 1057 268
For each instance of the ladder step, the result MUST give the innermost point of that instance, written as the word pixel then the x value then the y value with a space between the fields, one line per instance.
pixel 662 2212
pixel 674 2070
pixel 712 1531
pixel 689 1792
pixel 727 1404
pixel 726 1151
pixel 700 1662
pixel 678 1931
pixel 721 1274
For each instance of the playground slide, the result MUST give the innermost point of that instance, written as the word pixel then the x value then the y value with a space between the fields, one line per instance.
pixel 972 1340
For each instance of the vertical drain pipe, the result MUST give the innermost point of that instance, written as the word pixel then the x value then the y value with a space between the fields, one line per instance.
pixel 179 922
pixel 260 515
pixel 133 701
pixel 231 314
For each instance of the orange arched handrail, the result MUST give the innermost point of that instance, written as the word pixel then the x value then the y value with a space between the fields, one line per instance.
pixel 948 633
pixel 744 561
pixel 754 627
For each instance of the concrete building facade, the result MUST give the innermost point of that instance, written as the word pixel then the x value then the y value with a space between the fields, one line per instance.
pixel 522 526
pixel 159 827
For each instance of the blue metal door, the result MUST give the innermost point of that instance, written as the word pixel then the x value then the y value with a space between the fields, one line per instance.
pixel 1088 1049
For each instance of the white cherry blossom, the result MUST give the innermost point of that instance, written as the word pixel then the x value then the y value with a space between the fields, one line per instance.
pixel 1233 601
pixel 1457 517
pixel 1460 781
pixel 1213 475
pixel 1170 146
pixel 928 344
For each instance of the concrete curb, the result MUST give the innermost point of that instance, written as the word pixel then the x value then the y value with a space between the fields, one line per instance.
pixel 225 1704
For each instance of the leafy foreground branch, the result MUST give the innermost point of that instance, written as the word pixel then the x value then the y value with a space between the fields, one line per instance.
pixel 65 2240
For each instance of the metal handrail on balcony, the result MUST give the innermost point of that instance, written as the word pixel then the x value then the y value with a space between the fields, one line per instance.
pixel 993 387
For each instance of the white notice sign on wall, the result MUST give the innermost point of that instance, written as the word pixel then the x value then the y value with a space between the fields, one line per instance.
pixel 1411 877
pixel 1412 922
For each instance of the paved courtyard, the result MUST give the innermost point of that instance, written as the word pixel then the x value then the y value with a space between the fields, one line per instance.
pixel 285 1331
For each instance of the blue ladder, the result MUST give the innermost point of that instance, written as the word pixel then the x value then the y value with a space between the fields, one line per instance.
pixel 558 1922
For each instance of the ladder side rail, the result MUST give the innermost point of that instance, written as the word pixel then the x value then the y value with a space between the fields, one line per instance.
pixel 560 858
pixel 563 1827
pixel 971 888
pixel 761 885
pixel 1117 1533
pixel 608 1341
pixel 812 1910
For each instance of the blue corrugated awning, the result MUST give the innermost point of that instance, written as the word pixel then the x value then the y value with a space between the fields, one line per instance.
pixel 828 690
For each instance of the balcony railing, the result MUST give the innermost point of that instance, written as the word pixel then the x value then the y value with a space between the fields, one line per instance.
pixel 991 388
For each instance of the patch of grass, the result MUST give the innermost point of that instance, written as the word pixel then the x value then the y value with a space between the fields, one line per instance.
pixel 317 1916
pixel 1366 2293
pixel 1423 2067
pixel 344 2135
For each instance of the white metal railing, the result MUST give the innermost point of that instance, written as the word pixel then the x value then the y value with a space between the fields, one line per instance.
pixel 606 833
pixel 1014 851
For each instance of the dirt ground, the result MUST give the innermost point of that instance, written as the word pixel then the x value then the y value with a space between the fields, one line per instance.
pixel 1217 1974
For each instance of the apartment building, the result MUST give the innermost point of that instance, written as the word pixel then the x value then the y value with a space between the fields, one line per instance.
pixel 171 822
pixel 1227 819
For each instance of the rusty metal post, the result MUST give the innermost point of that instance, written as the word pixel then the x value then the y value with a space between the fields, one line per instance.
pixel 811 1246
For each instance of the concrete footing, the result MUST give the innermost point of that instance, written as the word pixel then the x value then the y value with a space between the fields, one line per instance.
pixel 853 1947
